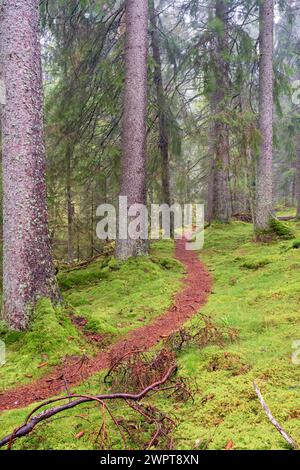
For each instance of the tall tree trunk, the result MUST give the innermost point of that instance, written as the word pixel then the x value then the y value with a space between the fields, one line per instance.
pixel 27 262
pixel 264 194
pixel 220 101
pixel 211 186
pixel 297 185
pixel 162 108
pixel 70 207
pixel 92 228
pixel 133 179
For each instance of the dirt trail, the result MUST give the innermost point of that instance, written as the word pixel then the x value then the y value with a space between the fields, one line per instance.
pixel 196 288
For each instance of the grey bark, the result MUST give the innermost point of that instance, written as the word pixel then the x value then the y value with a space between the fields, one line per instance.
pixel 161 107
pixel 264 194
pixel 162 114
pixel 70 206
pixel 27 262
pixel 92 228
pixel 133 177
pixel 209 215
pixel 221 208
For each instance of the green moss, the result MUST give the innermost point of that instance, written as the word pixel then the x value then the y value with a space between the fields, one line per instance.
pixel 114 265
pixel 256 263
pixel 82 277
pixel 261 305
pixel 296 244
pixel 282 230
pixel 51 337
pixel 113 297
pixel 282 210
pixel 167 263
pixel 60 433
pixel 131 293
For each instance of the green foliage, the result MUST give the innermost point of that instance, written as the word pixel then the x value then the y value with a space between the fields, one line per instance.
pixel 217 26
pixel 281 229
pixel 256 263
pixel 296 244
pixel 262 306
pixel 113 297
pixel 81 277
pixel 84 60
pixel 128 294
pixel 168 263
pixel 48 340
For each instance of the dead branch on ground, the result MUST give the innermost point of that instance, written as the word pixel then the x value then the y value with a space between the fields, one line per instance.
pixel 32 420
pixel 275 423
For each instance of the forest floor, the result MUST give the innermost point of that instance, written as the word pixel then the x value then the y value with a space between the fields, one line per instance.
pixel 249 325
pixel 193 294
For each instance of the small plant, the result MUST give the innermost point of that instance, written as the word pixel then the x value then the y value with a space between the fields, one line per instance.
pixel 168 263
pixel 228 361
pixel 114 265
pixel 256 264
pixel 296 244
pixel 281 229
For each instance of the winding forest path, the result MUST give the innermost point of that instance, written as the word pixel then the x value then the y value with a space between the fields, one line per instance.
pixel 196 288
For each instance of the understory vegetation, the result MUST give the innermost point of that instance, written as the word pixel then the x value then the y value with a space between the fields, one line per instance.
pixel 130 128
pixel 106 299
pixel 244 333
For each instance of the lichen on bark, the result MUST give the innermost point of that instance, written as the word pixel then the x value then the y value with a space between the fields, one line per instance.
pixel 28 272
pixel 133 178
pixel 264 195
pixel 219 198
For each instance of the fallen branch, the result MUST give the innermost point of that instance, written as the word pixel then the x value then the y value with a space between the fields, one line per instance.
pixel 286 218
pixel 66 268
pixel 32 420
pixel 275 423
pixel 119 360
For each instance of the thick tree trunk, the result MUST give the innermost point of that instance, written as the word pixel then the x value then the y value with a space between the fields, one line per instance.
pixel 211 185
pixel 70 207
pixel 264 194
pixel 297 185
pixel 133 179
pixel 222 200
pixel 210 191
pixel 92 228
pixel 161 107
pixel 27 262
pixel 162 114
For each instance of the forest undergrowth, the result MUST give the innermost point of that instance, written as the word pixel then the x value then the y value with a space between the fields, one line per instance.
pixel 245 332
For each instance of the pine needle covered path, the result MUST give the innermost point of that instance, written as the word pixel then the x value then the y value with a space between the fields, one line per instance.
pixel 196 289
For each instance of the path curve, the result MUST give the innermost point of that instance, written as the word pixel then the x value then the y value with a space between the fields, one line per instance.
pixel 196 288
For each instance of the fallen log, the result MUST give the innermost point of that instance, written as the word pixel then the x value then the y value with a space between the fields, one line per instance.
pixel 286 218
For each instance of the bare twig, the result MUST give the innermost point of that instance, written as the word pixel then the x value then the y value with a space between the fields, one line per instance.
pixel 32 420
pixel 275 423
pixel 119 360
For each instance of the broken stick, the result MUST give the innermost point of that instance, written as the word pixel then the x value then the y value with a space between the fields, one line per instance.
pixel 275 423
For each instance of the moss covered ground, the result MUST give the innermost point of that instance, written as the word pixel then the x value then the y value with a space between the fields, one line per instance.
pixel 256 294
pixel 113 298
